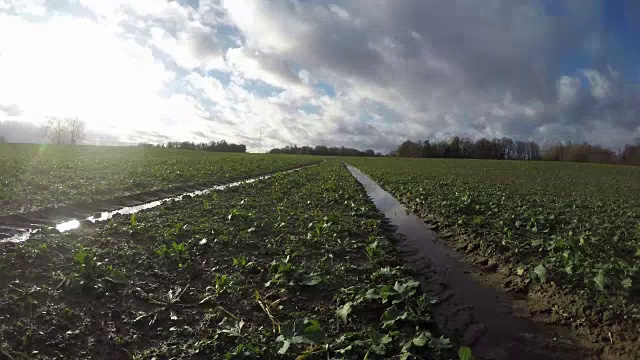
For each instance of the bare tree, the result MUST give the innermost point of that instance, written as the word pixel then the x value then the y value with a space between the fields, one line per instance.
pixel 76 130
pixel 65 130
pixel 57 130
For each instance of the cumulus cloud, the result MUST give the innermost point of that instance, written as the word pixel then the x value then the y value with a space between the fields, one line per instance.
pixel 394 69
pixel 568 90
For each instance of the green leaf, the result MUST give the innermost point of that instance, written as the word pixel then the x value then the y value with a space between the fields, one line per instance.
pixel 386 339
pixel 627 283
pixel 299 339
pixel 541 272
pixel 465 353
pixel 385 292
pixel 406 287
pixel 81 257
pixel 600 281
pixel 343 312
pixel 344 350
pixel 313 332
pixel 422 339
pixel 377 349
pixel 392 315
pixel 285 345
pixel 313 279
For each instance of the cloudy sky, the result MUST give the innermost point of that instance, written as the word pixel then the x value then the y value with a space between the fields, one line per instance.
pixel 360 73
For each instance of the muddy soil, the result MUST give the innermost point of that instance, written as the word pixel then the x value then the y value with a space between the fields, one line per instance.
pixel 496 324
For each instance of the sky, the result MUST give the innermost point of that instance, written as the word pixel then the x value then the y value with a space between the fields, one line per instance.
pixel 367 74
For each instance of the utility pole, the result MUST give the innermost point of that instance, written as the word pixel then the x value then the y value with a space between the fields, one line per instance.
pixel 260 142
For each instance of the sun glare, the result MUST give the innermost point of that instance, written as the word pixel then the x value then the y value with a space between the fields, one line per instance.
pixel 74 67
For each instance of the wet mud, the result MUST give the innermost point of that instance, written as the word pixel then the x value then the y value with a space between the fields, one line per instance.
pixel 19 227
pixel 493 323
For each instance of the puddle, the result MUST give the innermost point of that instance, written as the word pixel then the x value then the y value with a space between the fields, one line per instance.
pixel 20 234
pixel 480 316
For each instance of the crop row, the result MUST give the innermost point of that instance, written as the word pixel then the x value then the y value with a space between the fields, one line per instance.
pixel 572 224
pixel 38 176
pixel 295 266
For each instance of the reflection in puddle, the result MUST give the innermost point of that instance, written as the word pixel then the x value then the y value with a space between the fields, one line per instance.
pixel 20 235
pixel 69 225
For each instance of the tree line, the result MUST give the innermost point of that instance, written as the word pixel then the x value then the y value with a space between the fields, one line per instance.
pixel 508 149
pixel 213 146
pixel 457 147
pixel 65 130
pixel 323 150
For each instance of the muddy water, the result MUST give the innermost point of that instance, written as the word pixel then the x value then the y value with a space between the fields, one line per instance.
pixel 18 228
pixel 480 316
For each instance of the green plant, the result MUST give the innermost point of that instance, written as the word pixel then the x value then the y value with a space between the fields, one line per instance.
pixel 175 252
pixel 279 270
pixel 298 334
pixel 87 268
pixel 94 275
pixel 372 250
pixel 221 282
pixel 465 353
pixel 240 262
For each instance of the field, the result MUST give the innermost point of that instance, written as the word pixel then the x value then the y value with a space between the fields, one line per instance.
pixel 302 265
pixel 295 265
pixel 549 228
pixel 33 177
pixel 580 223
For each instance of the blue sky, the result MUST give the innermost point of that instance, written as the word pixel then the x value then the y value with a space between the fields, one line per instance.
pixel 621 23
pixel 361 73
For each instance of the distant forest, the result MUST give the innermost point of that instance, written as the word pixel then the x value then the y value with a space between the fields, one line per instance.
pixel 500 149
pixel 214 146
pixel 323 150
pixel 455 147
pixel 508 149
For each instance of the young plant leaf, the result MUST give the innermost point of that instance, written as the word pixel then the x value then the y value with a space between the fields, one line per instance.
pixel 422 339
pixel 541 272
pixel 392 315
pixel 600 281
pixel 343 312
pixel 465 353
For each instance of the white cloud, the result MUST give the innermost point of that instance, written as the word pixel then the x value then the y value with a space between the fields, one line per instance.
pixel 340 12
pixel 259 66
pixel 211 88
pixel 30 7
pixel 183 50
pixel 567 88
pixel 601 88
pixel 266 29
pixel 116 9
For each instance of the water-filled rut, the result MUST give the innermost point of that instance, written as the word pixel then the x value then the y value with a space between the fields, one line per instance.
pixel 18 228
pixel 479 315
